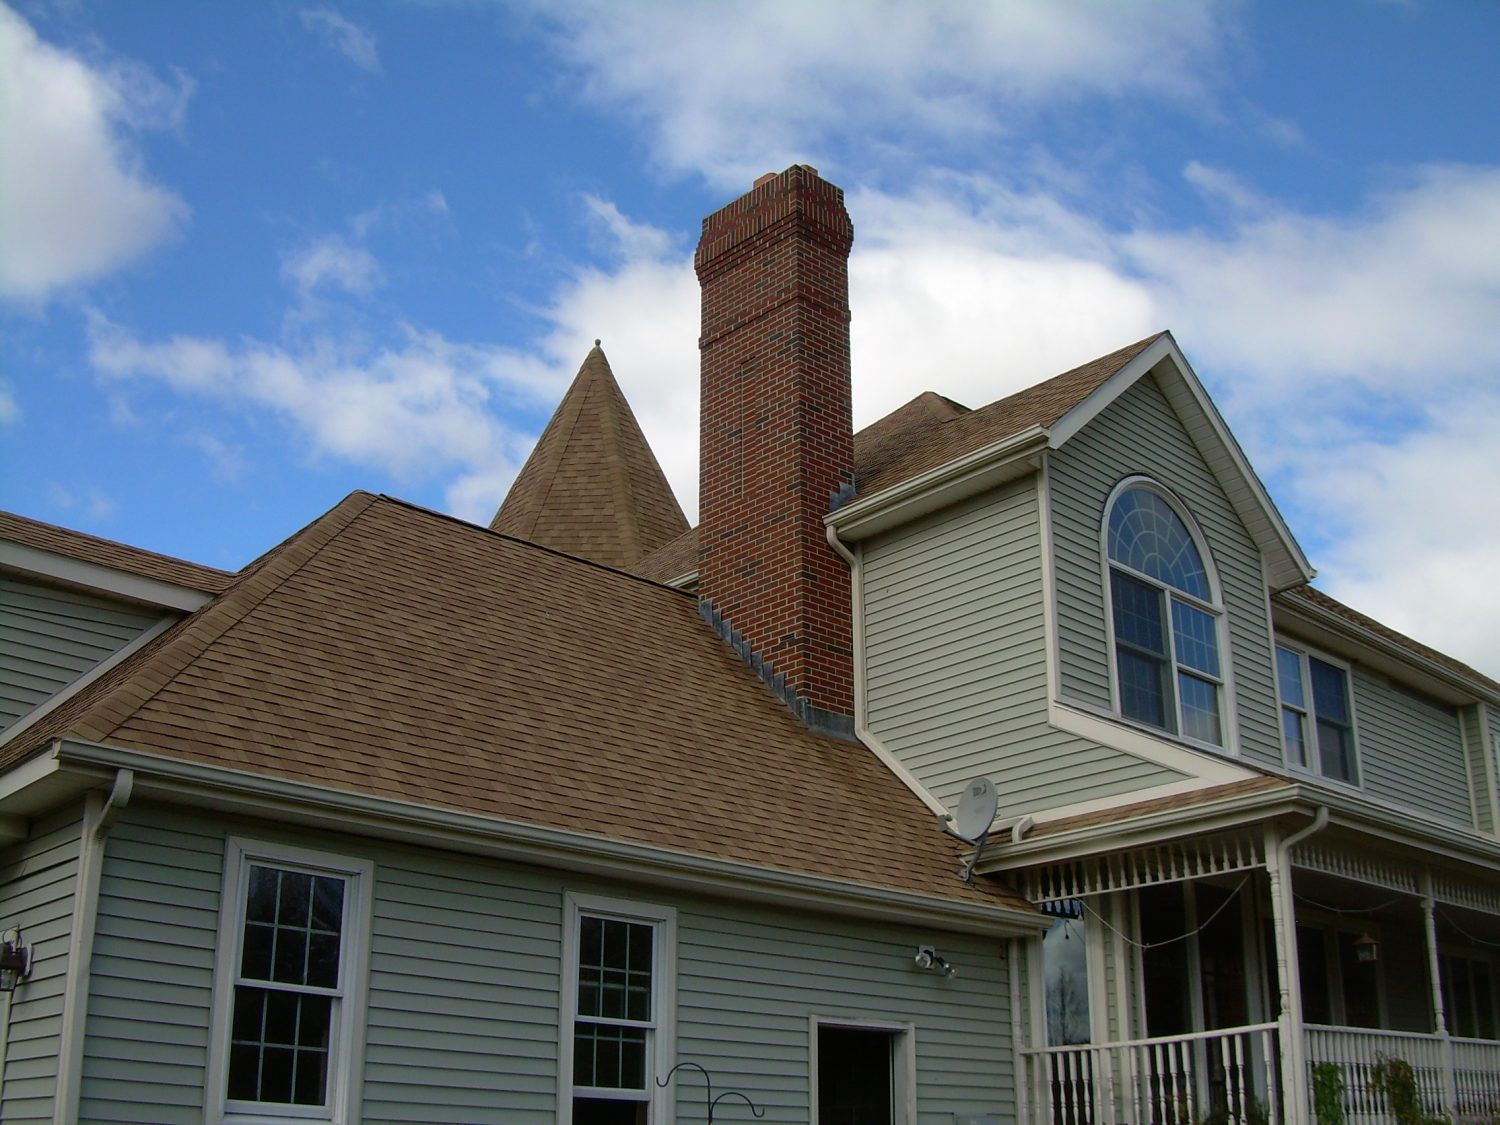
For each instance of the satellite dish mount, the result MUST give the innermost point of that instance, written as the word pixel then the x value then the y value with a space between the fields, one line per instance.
pixel 976 812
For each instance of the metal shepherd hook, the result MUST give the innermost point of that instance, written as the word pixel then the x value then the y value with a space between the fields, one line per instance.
pixel 709 1098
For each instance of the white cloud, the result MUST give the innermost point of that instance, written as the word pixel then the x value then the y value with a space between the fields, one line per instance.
pixel 348 39
pixel 74 201
pixel 1419 547
pixel 331 260
pixel 10 409
pixel 1407 289
pixel 93 502
pixel 419 408
pixel 749 86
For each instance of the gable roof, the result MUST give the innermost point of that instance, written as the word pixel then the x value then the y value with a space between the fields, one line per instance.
pixel 930 431
pixel 80 547
pixel 390 651
pixel 592 486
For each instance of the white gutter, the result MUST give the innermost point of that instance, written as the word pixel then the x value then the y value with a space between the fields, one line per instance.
pixel 249 794
pixel 1337 623
pixel 1393 825
pixel 99 814
pixel 940 486
pixel 861 731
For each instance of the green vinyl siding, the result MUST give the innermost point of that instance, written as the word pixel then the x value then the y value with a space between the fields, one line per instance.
pixel 1410 748
pixel 151 976
pixel 1477 765
pixel 464 986
pixel 39 878
pixel 51 636
pixel 1140 433
pixel 955 660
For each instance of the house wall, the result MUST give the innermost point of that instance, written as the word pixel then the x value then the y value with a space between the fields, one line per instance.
pixel 465 980
pixel 1479 764
pixel 37 880
pixel 50 636
pixel 955 668
pixel 1140 433
pixel 1410 748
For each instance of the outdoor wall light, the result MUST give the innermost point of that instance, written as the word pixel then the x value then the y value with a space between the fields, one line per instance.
pixel 15 961
pixel 929 958
pixel 1366 949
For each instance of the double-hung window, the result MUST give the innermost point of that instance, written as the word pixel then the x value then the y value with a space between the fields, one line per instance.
pixel 1165 617
pixel 289 985
pixel 617 1010
pixel 1317 720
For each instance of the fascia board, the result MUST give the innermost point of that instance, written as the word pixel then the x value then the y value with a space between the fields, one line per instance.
pixel 1170 824
pixel 104 579
pixel 1288 566
pixel 1007 459
pixel 1405 828
pixel 1390 825
pixel 236 792
pixel 1383 654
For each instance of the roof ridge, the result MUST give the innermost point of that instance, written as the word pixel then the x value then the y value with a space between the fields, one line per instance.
pixel 531 543
pixel 109 702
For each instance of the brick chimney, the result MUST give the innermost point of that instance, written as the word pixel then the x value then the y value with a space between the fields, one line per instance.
pixel 777 438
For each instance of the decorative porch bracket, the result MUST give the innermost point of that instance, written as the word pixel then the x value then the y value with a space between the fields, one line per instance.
pixel 1175 861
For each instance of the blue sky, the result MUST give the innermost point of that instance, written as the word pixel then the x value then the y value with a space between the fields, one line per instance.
pixel 256 255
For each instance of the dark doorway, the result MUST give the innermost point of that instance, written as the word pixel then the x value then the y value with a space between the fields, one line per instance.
pixel 855 1076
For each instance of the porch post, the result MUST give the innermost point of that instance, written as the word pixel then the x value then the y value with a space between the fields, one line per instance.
pixel 1439 1015
pixel 1295 1099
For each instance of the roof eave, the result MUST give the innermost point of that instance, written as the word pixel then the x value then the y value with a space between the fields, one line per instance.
pixel 1008 459
pixel 34 562
pixel 82 765
pixel 1389 656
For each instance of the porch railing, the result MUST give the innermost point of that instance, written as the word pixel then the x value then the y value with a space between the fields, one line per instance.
pixel 1358 1051
pixel 1170 1080
pixel 1476 1076
pixel 1453 1075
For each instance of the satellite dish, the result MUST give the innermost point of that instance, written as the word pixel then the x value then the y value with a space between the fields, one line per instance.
pixel 976 809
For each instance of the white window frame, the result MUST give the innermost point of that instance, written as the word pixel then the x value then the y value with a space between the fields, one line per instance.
pixel 346 1039
pixel 903 1062
pixel 1314 766
pixel 1223 683
pixel 661 1037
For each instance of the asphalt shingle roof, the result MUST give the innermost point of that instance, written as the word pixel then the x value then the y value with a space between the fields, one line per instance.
pixel 592 486
pixel 392 651
pixel 106 552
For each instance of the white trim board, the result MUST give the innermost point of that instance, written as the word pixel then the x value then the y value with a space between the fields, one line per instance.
pixel 202 785
pixel 104 579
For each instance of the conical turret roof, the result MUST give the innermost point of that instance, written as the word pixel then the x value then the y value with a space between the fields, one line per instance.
pixel 592 487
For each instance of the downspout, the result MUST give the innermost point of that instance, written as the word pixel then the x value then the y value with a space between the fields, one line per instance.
pixel 861 731
pixel 1288 971
pixel 99 816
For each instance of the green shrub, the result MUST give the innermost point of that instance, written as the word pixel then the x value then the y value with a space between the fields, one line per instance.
pixel 1328 1094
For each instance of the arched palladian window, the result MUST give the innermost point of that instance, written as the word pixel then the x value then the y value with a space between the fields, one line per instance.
pixel 1166 618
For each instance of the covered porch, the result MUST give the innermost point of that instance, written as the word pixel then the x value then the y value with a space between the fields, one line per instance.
pixel 1158 998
